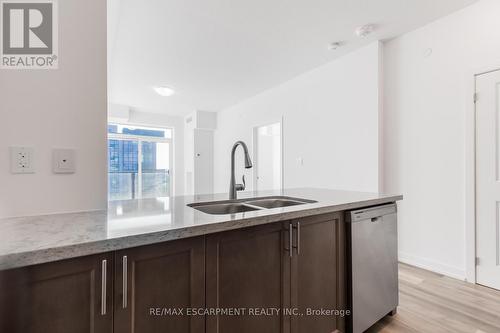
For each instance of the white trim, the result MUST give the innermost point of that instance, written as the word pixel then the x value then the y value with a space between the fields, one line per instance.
pixel 173 169
pixel 140 159
pixel 470 170
pixel 470 179
pixel 119 136
pixel 282 119
pixel 381 128
pixel 433 266
pixel 142 125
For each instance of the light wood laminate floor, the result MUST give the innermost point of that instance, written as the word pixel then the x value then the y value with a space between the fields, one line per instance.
pixel 434 303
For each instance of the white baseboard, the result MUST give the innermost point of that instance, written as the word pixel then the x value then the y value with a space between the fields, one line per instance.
pixel 432 266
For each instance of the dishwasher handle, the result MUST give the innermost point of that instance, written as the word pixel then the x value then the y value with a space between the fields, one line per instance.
pixel 372 213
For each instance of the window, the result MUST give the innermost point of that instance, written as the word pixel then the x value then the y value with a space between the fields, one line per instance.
pixel 139 162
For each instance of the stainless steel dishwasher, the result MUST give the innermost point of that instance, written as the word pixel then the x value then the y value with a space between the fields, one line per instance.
pixel 372 265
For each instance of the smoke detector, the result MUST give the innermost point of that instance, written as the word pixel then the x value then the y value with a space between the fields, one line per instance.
pixel 365 30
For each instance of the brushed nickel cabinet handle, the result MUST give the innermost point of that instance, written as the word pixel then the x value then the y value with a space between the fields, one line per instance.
pixel 104 265
pixel 298 238
pixel 124 282
pixel 290 239
pixel 297 244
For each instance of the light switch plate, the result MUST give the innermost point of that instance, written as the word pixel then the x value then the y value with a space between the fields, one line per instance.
pixel 63 160
pixel 22 160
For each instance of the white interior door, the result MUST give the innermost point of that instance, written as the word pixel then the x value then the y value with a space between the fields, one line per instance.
pixel 267 157
pixel 203 162
pixel 488 179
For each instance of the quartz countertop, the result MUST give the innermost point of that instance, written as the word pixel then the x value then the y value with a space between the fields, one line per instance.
pixel 34 240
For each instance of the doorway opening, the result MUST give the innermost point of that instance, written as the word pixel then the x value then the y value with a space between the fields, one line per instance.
pixel 268 156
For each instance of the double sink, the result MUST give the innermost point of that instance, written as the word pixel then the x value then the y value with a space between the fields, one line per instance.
pixel 248 205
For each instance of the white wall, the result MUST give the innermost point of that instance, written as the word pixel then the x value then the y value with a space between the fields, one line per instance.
pixel 63 108
pixel 426 100
pixel 330 119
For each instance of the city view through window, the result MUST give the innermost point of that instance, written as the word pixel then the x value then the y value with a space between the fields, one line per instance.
pixel 139 162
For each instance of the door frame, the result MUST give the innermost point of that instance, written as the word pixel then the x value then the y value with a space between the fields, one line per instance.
pixel 255 153
pixel 470 170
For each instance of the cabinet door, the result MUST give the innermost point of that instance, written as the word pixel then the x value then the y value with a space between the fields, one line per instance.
pixel 248 269
pixel 155 286
pixel 317 279
pixel 59 297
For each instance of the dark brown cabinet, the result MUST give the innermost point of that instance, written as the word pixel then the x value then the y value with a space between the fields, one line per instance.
pixel 248 269
pixel 255 269
pixel 272 278
pixel 58 297
pixel 156 284
pixel 317 274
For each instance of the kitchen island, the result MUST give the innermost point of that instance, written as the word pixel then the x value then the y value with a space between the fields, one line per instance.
pixel 142 265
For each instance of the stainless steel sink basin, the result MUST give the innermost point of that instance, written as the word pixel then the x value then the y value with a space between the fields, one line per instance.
pixel 248 205
pixel 223 208
pixel 275 203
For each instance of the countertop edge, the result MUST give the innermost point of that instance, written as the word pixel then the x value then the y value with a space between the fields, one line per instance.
pixel 23 259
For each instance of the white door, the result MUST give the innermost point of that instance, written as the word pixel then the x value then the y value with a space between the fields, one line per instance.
pixel 267 157
pixel 203 161
pixel 488 179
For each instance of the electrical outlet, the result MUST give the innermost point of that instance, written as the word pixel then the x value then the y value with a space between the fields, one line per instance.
pixel 22 160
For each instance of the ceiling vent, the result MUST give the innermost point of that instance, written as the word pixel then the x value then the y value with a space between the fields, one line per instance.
pixel 365 30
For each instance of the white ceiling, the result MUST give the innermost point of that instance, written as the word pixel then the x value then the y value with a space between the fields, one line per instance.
pixel 216 53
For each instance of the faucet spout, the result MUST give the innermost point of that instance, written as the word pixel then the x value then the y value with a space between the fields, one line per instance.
pixel 233 187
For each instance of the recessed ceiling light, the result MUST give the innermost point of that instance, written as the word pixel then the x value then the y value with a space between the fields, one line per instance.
pixel 365 30
pixel 335 45
pixel 164 91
